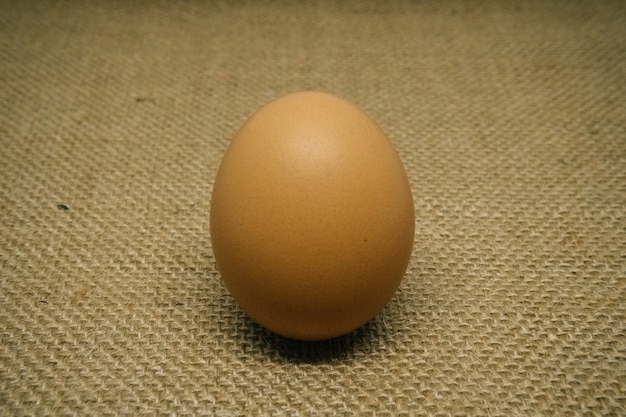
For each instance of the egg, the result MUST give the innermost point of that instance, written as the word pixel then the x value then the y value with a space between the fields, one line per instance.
pixel 311 217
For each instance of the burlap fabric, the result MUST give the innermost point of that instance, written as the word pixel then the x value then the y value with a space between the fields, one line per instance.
pixel 509 116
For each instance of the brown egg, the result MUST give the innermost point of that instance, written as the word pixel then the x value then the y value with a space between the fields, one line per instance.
pixel 312 218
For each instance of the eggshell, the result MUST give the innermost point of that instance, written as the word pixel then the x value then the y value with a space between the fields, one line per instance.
pixel 311 217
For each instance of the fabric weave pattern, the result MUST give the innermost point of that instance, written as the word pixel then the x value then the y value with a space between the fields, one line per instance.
pixel 510 118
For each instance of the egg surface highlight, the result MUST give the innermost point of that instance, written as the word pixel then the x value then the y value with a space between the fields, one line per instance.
pixel 311 217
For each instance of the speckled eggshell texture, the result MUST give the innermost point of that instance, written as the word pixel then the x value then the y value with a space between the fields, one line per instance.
pixel 311 217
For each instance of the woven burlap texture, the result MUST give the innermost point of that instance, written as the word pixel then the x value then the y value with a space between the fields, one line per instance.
pixel 510 118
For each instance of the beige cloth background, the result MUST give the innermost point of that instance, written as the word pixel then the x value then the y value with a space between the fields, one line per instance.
pixel 509 116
